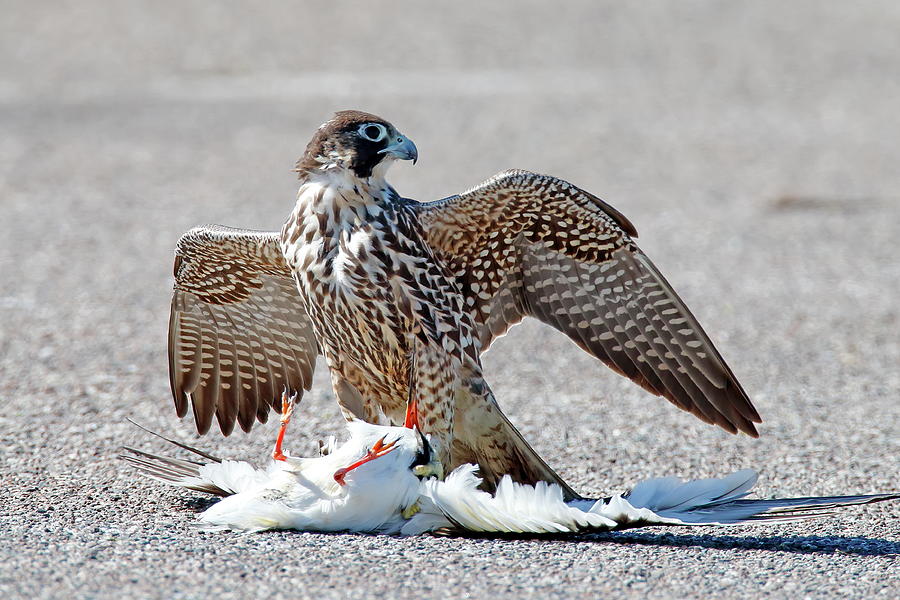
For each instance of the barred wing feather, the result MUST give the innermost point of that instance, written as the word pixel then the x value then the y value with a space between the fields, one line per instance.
pixel 522 244
pixel 238 331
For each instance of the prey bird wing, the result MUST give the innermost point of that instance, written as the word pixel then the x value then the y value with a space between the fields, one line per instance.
pixel 382 480
pixel 523 244
pixel 238 332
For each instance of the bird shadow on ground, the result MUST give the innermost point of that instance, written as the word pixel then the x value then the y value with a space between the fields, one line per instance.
pixel 804 544
pixel 198 504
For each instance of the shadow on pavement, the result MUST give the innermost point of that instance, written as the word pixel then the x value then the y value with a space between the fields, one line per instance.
pixel 802 544
pixel 198 504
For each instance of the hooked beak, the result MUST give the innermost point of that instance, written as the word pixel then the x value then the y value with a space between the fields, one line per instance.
pixel 402 148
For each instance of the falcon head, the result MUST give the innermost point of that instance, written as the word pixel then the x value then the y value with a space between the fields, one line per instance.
pixel 358 142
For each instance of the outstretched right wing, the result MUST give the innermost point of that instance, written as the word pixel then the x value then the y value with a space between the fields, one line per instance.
pixel 523 244
pixel 238 330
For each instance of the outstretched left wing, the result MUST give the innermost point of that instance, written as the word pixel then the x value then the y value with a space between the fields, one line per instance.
pixel 522 244
pixel 238 330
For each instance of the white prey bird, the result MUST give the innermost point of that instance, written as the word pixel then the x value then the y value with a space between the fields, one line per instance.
pixel 387 480
pixel 345 489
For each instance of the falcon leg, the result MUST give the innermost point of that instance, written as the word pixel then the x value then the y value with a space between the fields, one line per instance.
pixel 430 404
pixel 287 410
pixel 412 412
pixel 412 407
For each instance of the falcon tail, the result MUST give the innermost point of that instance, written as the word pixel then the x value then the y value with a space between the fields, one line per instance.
pixel 487 437
pixel 541 509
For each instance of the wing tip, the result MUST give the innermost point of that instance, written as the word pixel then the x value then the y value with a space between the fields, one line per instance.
pixel 750 430
pixel 202 415
pixel 181 406
pixel 226 423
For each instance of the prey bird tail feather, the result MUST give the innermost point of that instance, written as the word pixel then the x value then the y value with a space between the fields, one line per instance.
pixel 171 471
pixel 196 451
pixel 219 477
pixel 721 501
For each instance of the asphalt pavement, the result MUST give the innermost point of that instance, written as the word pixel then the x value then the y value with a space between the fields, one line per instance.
pixel 754 145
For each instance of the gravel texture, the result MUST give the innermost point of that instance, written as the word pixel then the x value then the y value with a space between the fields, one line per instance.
pixel 754 145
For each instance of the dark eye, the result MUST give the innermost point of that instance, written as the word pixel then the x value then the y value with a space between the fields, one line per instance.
pixel 374 132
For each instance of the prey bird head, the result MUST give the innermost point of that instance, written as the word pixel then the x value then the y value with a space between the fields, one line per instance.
pixel 426 463
pixel 385 451
pixel 356 141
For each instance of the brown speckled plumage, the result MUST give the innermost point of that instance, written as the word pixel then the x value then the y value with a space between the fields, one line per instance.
pixel 401 298
pixel 237 331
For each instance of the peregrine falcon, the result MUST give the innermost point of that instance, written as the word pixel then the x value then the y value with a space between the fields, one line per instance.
pixel 401 298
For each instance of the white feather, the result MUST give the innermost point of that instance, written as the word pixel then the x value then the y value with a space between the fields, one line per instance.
pixel 301 493
pixel 539 509
pixel 231 476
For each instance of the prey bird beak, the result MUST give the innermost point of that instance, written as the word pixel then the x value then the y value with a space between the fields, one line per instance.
pixel 378 450
pixel 403 148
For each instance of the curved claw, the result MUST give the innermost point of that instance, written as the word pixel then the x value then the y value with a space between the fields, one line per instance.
pixel 411 510
pixel 432 469
pixel 287 407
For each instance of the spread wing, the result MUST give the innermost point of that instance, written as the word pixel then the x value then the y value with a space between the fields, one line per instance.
pixel 238 331
pixel 523 244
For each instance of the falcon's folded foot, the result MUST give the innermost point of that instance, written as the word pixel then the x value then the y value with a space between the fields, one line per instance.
pixel 378 450
pixel 287 410
pixel 408 512
pixel 432 469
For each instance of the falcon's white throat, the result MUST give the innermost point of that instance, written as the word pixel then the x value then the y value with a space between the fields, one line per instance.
pixel 329 217
pixel 331 192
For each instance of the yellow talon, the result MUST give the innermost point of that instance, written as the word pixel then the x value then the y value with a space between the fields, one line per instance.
pixel 411 510
pixel 432 469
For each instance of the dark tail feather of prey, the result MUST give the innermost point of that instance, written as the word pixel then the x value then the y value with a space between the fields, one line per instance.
pixel 796 509
pixel 174 471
